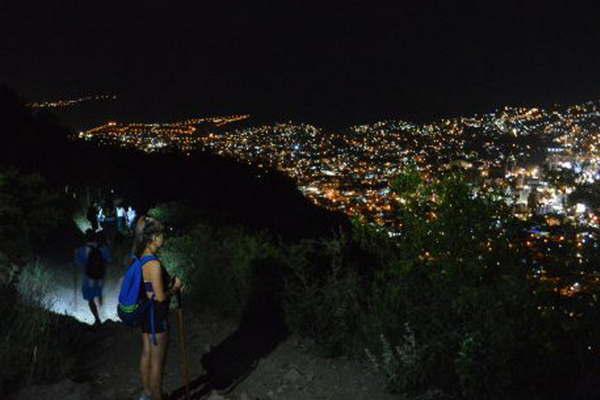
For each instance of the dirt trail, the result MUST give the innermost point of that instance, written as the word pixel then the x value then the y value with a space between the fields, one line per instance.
pixel 111 362
pixel 292 371
pixel 109 366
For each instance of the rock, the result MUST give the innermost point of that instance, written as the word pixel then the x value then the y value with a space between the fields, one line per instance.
pixel 310 376
pixel 9 271
pixel 64 390
pixel 109 394
pixel 292 376
pixel 215 396
pixel 244 396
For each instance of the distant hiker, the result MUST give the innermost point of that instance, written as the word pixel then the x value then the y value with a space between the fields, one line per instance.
pixel 100 215
pixel 109 226
pixel 159 287
pixel 92 216
pixel 130 257
pixel 130 215
pixel 121 219
pixel 92 258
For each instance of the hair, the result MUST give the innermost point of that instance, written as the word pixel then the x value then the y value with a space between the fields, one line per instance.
pixel 145 230
pixel 89 235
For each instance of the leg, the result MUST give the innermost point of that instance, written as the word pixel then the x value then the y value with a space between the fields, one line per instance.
pixel 98 301
pixel 145 363
pixel 94 310
pixel 97 284
pixel 157 360
pixel 100 284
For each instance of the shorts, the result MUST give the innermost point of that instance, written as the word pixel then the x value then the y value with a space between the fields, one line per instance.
pixel 161 318
pixel 92 288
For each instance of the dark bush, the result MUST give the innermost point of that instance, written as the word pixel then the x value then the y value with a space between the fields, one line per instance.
pixel 217 265
pixel 322 295
pixel 37 346
pixel 29 211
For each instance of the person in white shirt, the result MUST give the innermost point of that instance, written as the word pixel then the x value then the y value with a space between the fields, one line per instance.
pixel 131 214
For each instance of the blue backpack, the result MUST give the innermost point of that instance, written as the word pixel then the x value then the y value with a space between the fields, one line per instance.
pixel 133 302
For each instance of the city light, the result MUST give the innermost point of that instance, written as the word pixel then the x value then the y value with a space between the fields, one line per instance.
pixel 511 150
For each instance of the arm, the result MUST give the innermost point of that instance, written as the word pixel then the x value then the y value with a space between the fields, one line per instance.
pixel 153 274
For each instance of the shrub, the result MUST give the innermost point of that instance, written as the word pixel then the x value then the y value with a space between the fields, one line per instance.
pixel 175 215
pixel 398 364
pixel 34 284
pixel 29 211
pixel 401 367
pixel 217 265
pixel 459 280
pixel 458 277
pixel 458 285
pixel 322 295
pixel 36 345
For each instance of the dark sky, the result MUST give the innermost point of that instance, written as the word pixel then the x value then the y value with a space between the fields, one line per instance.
pixel 350 61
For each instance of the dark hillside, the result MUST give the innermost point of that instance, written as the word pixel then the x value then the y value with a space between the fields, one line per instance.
pixel 217 186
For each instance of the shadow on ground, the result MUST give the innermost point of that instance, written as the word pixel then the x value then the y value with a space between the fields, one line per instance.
pixel 261 329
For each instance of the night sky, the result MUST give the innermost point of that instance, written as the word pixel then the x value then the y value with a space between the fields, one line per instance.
pixel 349 62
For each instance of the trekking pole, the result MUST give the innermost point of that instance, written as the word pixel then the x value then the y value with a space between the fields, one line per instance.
pixel 75 280
pixel 184 357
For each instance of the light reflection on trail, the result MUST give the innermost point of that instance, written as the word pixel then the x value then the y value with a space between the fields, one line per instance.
pixel 65 296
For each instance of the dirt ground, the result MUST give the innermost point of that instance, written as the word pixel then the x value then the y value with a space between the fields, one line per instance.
pixel 292 371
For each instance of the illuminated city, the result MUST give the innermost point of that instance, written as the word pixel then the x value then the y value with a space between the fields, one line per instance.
pixel 513 149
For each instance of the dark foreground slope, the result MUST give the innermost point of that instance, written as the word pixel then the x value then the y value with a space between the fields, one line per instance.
pixel 219 187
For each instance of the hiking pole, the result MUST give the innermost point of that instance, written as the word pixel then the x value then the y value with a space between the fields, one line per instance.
pixel 75 280
pixel 184 358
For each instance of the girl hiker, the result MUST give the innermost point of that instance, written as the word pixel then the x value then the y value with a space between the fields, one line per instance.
pixel 159 287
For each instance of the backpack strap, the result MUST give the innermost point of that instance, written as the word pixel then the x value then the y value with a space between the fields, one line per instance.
pixel 146 259
pixel 152 322
pixel 143 261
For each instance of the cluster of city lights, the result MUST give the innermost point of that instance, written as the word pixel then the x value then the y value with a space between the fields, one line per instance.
pixel 183 136
pixel 520 152
pixel 64 103
pixel 350 170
